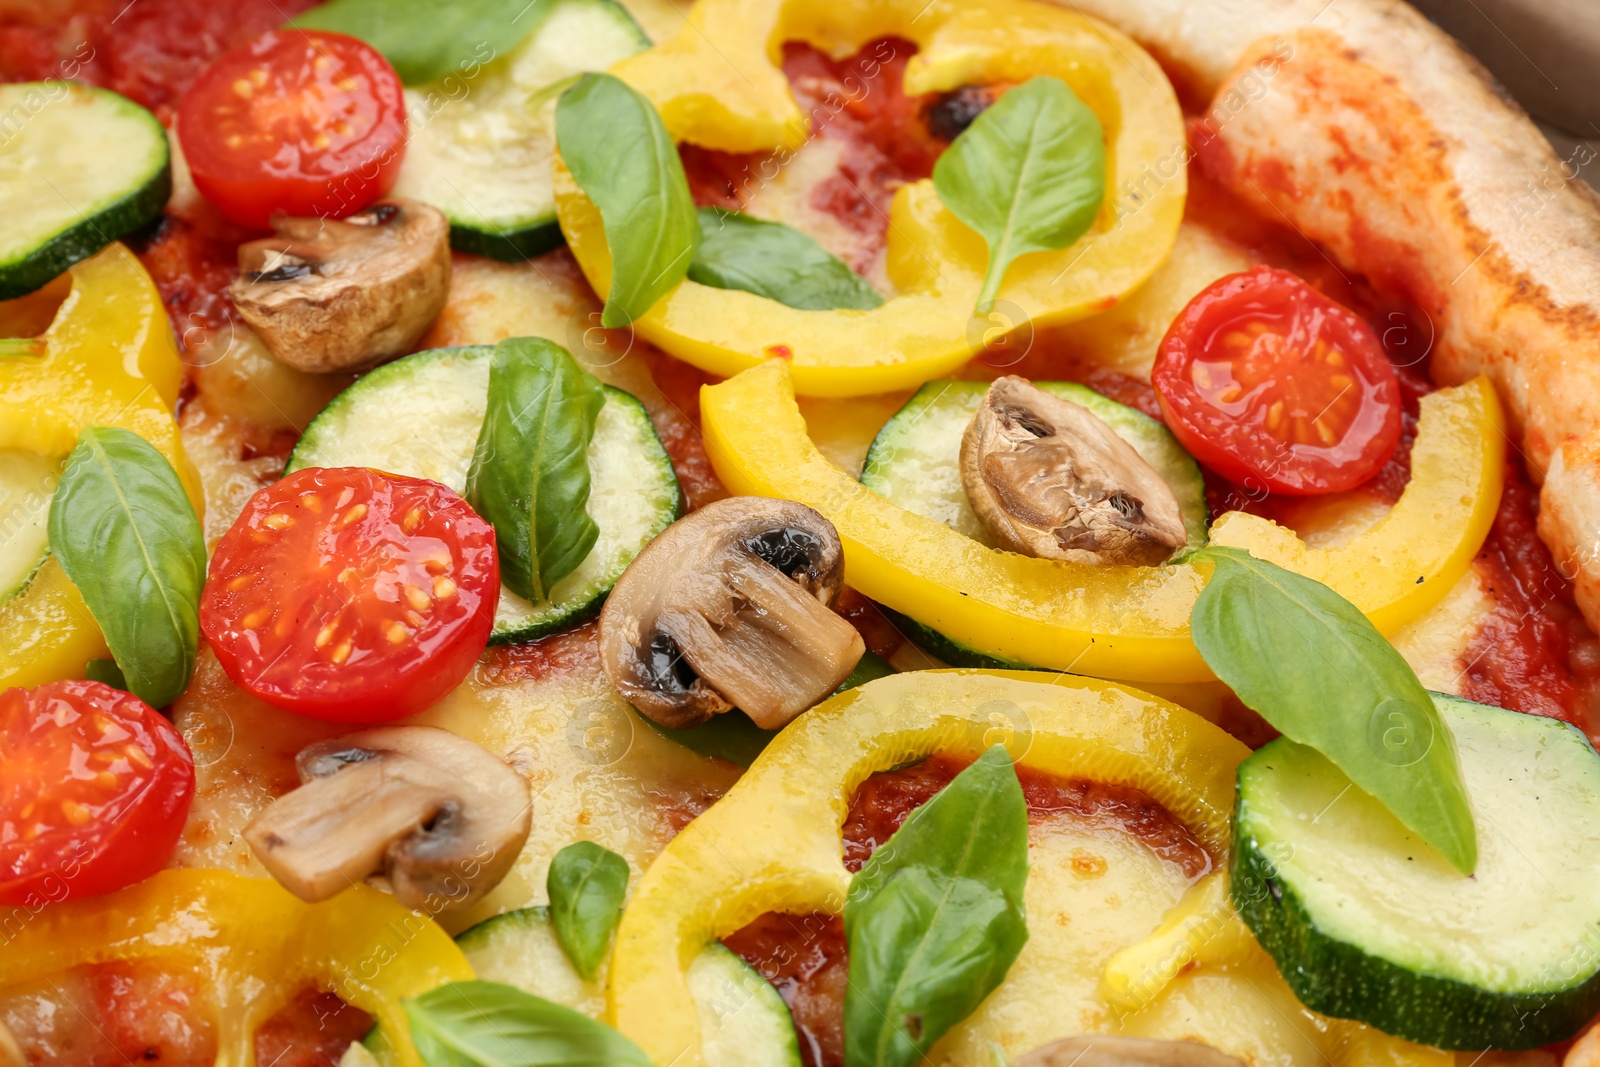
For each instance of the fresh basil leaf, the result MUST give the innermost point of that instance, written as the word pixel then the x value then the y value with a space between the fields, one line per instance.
pixel 739 251
pixel 622 157
pixel 935 918
pixel 124 531
pixel 1307 661
pixel 486 1024
pixel 106 672
pixel 1029 174
pixel 587 884
pixel 530 470
pixel 425 39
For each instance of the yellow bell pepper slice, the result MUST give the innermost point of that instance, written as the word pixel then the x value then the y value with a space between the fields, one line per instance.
pixel 253 945
pixel 107 359
pixel 935 262
pixel 1112 622
pixel 773 842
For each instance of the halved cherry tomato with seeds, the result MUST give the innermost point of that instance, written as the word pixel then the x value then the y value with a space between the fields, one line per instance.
pixel 94 787
pixel 1270 383
pixel 300 121
pixel 351 595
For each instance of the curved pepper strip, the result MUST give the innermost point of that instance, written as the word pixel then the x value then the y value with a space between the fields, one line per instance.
pixel 934 260
pixel 253 946
pixel 108 359
pixel 773 842
pixel 1111 622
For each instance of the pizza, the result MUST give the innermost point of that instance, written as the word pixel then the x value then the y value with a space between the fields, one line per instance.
pixel 866 534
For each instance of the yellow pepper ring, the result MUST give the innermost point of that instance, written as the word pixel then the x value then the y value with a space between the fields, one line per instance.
pixel 253 945
pixel 935 262
pixel 1111 622
pixel 773 842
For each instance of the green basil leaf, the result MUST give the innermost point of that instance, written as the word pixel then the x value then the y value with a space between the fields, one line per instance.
pixel 425 39
pixel 1029 174
pixel 739 251
pixel 106 672
pixel 587 884
pixel 486 1024
pixel 124 531
pixel 624 160
pixel 1307 661
pixel 935 918
pixel 530 470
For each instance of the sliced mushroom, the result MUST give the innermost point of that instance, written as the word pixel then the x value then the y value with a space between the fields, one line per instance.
pixel 346 294
pixel 729 608
pixel 440 817
pixel 1098 1050
pixel 1048 478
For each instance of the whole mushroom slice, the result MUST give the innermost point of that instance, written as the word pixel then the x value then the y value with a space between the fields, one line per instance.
pixel 440 817
pixel 1048 478
pixel 346 294
pixel 728 607
pixel 1100 1050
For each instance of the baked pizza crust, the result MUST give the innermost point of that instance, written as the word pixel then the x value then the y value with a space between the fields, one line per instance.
pixel 1375 134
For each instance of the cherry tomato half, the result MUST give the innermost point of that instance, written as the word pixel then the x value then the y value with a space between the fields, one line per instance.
pixel 300 121
pixel 351 595
pixel 1268 382
pixel 94 787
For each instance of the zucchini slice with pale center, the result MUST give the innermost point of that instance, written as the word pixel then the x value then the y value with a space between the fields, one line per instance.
pixel 480 148
pixel 27 482
pixel 420 416
pixel 915 462
pixel 1367 922
pixel 79 168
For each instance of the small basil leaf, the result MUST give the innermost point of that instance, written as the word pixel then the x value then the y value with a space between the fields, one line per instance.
pixel 425 39
pixel 106 672
pixel 622 157
pixel 1307 661
pixel 1029 174
pixel 769 259
pixel 587 884
pixel 935 918
pixel 124 531
pixel 486 1024
pixel 530 470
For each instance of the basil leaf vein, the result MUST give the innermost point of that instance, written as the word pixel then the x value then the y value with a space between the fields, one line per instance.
pixel 425 39
pixel 486 1024
pixel 530 469
pixel 935 918
pixel 739 251
pixel 587 884
pixel 1029 174
pixel 125 533
pixel 622 157
pixel 1310 663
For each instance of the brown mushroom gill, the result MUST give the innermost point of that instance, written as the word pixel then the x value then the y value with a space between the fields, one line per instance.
pixel 1049 478
pixel 729 608
pixel 441 818
pixel 1104 1050
pixel 346 294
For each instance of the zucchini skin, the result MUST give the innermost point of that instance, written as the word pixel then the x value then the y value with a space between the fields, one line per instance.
pixel 1339 979
pixel 513 246
pixel 943 648
pixel 88 236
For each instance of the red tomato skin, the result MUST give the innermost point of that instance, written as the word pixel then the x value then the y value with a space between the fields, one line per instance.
pixel 123 841
pixel 1240 448
pixel 314 580
pixel 299 177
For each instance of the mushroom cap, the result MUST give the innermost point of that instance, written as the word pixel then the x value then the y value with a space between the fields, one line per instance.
pixel 346 294
pixel 729 607
pixel 1104 1050
pixel 440 817
pixel 1050 479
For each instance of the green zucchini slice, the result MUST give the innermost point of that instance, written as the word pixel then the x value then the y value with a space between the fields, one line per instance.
pixel 1368 922
pixel 480 146
pixel 420 416
pixel 79 168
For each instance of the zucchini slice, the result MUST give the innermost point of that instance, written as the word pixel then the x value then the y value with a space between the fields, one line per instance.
pixel 79 168
pixel 480 147
pixel 915 461
pixel 420 416
pixel 27 482
pixel 1367 922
